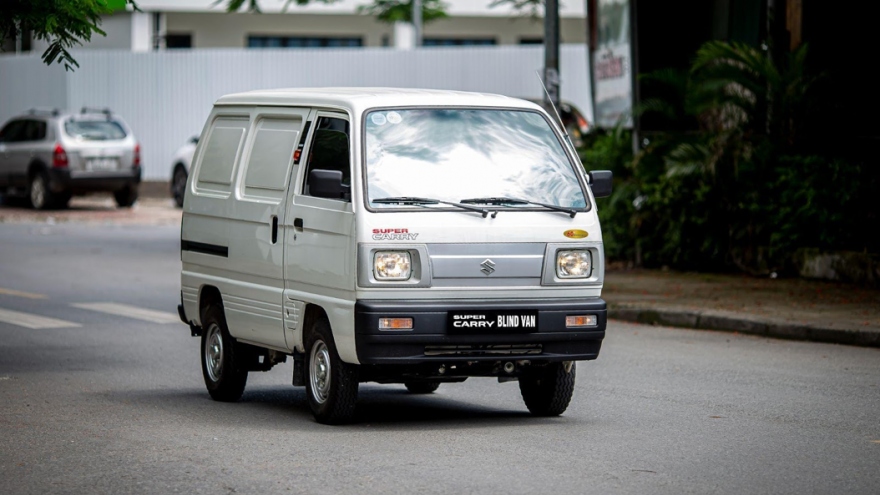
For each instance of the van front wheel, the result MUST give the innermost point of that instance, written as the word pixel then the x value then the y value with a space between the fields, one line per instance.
pixel 547 390
pixel 225 378
pixel 332 384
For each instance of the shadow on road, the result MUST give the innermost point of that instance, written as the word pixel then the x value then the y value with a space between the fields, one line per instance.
pixel 283 409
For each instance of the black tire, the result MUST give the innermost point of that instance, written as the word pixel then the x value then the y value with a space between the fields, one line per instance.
pixel 222 358
pixel 178 185
pixel 62 201
pixel 422 387
pixel 40 195
pixel 547 390
pixel 126 197
pixel 331 384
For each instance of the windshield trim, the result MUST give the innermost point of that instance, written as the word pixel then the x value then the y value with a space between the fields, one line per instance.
pixel 573 161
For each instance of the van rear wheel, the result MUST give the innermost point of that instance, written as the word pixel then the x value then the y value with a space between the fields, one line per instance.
pixel 332 384
pixel 548 390
pixel 222 358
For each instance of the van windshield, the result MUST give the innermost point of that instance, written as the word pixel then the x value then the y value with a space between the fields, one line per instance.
pixel 461 154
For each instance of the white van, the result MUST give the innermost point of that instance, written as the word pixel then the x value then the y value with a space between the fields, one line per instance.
pixel 393 236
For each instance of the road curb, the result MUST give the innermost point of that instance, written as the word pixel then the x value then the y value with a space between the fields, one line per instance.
pixel 700 320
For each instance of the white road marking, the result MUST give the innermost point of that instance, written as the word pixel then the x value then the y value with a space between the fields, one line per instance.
pixel 33 321
pixel 13 292
pixel 149 315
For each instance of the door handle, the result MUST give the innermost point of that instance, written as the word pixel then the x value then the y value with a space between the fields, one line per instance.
pixel 298 224
pixel 274 229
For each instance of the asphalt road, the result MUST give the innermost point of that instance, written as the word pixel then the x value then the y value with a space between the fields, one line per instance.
pixel 101 392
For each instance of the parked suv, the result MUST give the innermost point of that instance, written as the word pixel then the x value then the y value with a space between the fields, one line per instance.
pixel 50 155
pixel 180 169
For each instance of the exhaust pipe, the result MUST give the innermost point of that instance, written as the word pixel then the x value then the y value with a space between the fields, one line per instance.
pixel 509 367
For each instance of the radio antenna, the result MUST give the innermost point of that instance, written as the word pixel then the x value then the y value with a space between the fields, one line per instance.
pixel 552 105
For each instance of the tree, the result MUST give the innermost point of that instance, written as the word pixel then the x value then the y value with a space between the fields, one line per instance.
pixel 402 10
pixel 383 10
pixel 62 23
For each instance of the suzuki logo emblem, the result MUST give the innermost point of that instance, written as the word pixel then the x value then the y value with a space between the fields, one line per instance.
pixel 488 267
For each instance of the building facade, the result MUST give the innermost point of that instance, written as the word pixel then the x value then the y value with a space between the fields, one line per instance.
pixel 205 24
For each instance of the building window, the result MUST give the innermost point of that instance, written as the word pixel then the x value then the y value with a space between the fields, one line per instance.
pixel 178 40
pixel 531 41
pixel 302 42
pixel 458 41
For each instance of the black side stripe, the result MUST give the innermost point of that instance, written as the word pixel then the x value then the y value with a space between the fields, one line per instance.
pixel 201 247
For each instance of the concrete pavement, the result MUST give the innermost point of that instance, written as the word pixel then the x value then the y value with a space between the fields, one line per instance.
pixel 782 307
pixel 788 308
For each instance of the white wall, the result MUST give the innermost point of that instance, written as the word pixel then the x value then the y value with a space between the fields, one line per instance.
pixel 166 96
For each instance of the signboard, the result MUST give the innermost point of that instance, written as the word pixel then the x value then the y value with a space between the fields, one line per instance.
pixel 612 65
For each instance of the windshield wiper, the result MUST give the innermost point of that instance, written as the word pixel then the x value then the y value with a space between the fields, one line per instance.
pixel 410 200
pixel 501 200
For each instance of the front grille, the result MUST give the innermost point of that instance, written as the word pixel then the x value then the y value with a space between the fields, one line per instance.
pixel 508 264
pixel 483 350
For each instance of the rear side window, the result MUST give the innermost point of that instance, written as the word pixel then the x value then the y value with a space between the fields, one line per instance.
pixel 13 131
pixel 35 130
pixel 94 130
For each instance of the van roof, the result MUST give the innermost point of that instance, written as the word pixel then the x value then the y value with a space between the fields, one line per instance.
pixel 364 98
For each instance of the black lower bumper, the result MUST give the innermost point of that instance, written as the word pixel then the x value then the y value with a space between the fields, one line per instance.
pixel 60 180
pixel 430 342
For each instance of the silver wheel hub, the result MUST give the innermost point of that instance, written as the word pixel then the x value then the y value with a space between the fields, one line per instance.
pixel 319 371
pixel 38 192
pixel 214 353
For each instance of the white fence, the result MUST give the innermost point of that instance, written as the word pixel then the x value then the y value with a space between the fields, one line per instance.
pixel 166 96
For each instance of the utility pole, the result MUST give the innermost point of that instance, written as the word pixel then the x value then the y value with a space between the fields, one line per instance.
pixel 551 51
pixel 417 22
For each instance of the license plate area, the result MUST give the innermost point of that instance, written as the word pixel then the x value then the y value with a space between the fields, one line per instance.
pixel 492 321
pixel 101 164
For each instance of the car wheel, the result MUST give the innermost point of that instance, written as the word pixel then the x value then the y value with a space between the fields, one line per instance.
pixel 39 194
pixel 547 390
pixel 126 197
pixel 422 387
pixel 332 384
pixel 178 185
pixel 222 358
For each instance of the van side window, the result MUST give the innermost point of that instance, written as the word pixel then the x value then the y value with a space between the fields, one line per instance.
pixel 330 149
pixel 270 157
pixel 218 159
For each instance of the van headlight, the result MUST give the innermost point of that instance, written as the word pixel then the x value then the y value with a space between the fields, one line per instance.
pixel 392 265
pixel 574 263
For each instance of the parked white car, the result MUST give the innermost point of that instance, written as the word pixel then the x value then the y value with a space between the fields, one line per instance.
pixel 180 166
pixel 394 236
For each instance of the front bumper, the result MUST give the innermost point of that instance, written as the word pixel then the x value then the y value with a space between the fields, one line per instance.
pixel 430 342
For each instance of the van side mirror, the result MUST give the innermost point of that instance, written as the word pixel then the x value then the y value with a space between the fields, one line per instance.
pixel 328 184
pixel 600 183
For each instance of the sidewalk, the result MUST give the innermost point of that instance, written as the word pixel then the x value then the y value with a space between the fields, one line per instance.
pixel 785 308
pixel 95 209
